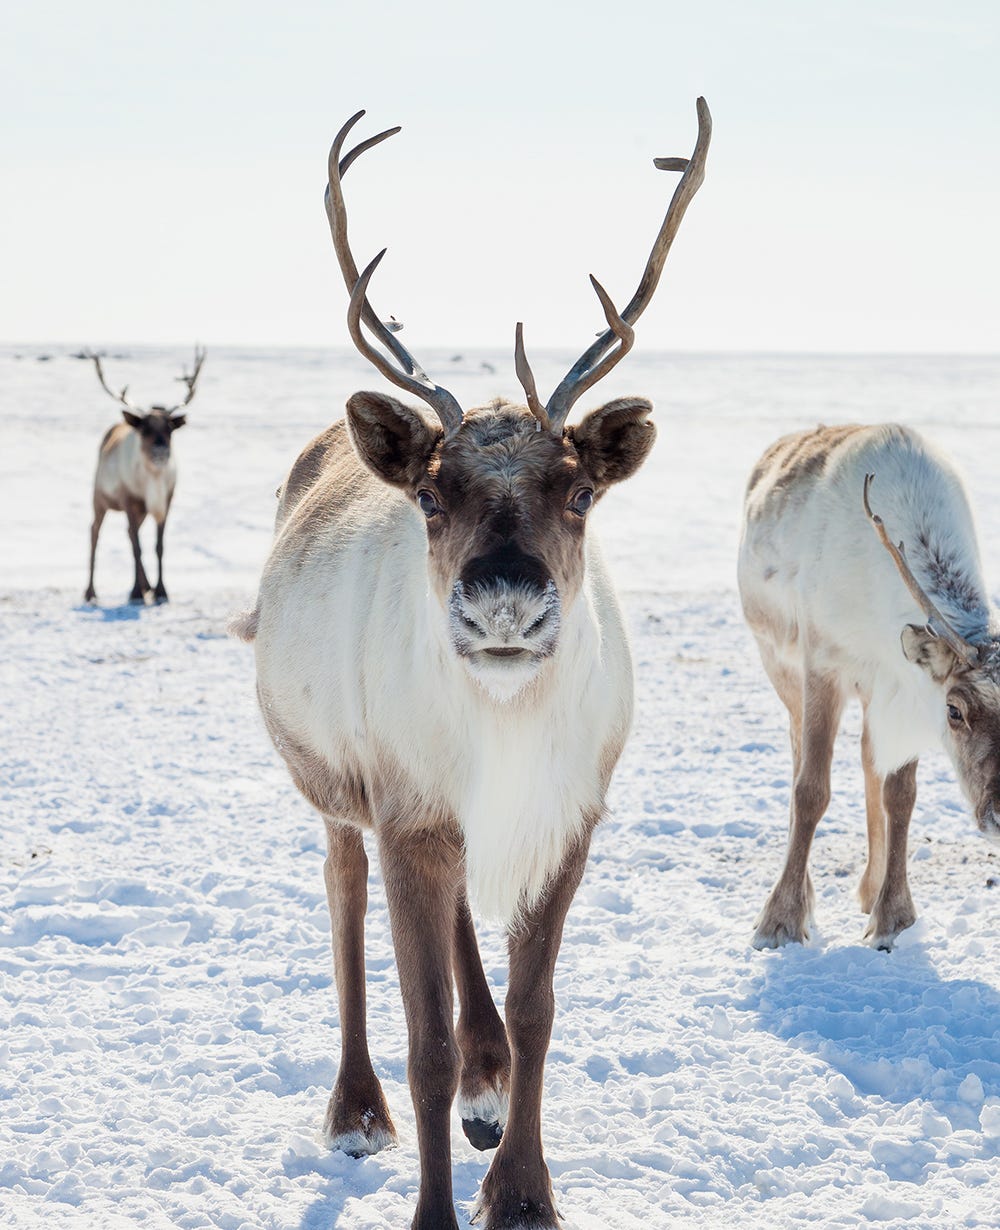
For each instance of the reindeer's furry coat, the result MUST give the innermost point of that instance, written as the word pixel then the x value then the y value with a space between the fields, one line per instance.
pixel 819 589
pixel 366 699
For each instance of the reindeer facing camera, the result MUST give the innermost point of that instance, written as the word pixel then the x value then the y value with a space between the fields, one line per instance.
pixel 136 474
pixel 441 659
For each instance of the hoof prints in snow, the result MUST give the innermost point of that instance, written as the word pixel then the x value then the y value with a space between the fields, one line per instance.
pixel 170 1023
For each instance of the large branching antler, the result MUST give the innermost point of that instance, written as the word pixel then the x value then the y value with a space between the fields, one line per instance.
pixel 119 397
pixel 936 622
pixel 190 380
pixel 408 375
pixel 595 363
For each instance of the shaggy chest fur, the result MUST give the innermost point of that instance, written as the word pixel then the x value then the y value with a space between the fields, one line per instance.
pixel 123 472
pixel 381 722
pixel 391 710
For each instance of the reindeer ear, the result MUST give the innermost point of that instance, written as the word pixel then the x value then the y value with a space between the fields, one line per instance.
pixel 133 420
pixel 394 441
pixel 930 652
pixel 176 420
pixel 614 440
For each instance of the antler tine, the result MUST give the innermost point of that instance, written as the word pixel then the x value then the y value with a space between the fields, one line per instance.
pixel 119 397
pixel 621 330
pixel 962 648
pixel 440 400
pixel 624 332
pixel 412 377
pixel 190 381
pixel 595 362
pixel 527 379
pixel 337 215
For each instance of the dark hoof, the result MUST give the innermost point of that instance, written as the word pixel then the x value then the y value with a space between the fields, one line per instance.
pixel 160 598
pixel 482 1135
pixel 358 1125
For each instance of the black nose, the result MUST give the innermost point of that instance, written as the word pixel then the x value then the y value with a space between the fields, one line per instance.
pixel 506 564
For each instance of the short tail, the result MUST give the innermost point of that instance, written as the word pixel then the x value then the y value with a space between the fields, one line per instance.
pixel 244 625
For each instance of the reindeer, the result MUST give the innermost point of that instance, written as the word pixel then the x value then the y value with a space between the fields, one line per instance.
pixel 839 611
pixel 136 475
pixel 441 660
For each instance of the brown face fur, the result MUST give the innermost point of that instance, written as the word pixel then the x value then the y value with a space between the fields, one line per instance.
pixel 972 702
pixel 501 481
pixel 505 506
pixel 155 429
pixel 503 487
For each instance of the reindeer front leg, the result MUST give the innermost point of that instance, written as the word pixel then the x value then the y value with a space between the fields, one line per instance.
pixel 160 593
pixel 422 872
pixel 517 1191
pixel 357 1117
pixel 100 510
pixel 135 511
pixel 893 911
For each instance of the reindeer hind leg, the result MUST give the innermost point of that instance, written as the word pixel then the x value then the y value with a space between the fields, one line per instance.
pixel 484 1082
pixel 787 911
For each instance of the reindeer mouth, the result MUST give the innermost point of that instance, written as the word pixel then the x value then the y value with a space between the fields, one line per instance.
pixel 989 824
pixel 503 670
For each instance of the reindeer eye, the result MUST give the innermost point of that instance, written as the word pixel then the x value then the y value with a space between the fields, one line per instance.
pixel 955 715
pixel 428 505
pixel 581 502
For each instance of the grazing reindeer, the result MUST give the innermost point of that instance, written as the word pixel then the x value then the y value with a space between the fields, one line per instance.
pixel 839 611
pixel 441 659
pixel 136 475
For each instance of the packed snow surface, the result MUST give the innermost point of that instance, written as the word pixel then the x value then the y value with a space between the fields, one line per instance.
pixel 169 1027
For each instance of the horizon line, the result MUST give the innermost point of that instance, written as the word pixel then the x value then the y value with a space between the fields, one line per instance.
pixel 688 352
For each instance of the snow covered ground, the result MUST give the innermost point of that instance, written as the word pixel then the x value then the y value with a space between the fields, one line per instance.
pixel 168 1028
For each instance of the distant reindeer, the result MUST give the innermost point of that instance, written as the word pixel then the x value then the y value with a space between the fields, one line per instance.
pixel 441 659
pixel 839 611
pixel 136 475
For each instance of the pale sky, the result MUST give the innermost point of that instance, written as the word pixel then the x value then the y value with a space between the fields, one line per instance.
pixel 163 168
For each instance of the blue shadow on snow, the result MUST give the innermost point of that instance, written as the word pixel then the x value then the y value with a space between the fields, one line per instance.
pixel 888 1021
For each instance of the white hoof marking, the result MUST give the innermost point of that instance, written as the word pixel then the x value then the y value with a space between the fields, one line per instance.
pixel 490 1106
pixel 357 1144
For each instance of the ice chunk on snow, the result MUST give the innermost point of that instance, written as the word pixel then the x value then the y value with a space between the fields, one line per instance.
pixel 989 1119
pixel 971 1090
pixel 722 1026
